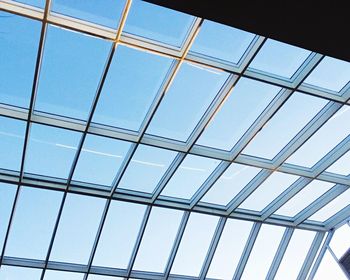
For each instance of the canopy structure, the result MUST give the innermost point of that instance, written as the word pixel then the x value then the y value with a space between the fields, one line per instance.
pixel 138 142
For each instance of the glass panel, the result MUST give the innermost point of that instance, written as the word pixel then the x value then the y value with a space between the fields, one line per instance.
pixel 325 139
pixel 100 277
pixel 329 269
pixel 332 207
pixel 36 3
pixel 130 88
pixel 107 14
pixel 272 187
pixel 235 178
pixel 32 228
pixel 158 23
pixel 158 240
pixel 119 234
pixel 222 42
pixel 191 174
pixel 77 229
pixel 15 272
pixel 279 59
pixel 245 103
pixel 194 244
pixel 146 160
pixel 341 166
pixel 190 94
pixel 70 74
pixel 263 252
pixel 340 242
pixel 290 118
pixel 19 42
pixel 60 144
pixel 11 143
pixel 295 255
pixel 100 160
pixel 229 250
pixel 7 196
pixel 332 74
pixel 304 198
pixel 62 275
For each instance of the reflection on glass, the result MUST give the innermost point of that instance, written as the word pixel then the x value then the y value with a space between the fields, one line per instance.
pixel 289 119
pixel 190 175
pixel 62 275
pixel 158 240
pixel 268 191
pixel 36 3
pixel 119 234
pixel 279 59
pixel 329 269
pixel 295 255
pixel 324 140
pixel 341 241
pixel 230 249
pixel 7 196
pixel 235 178
pixel 59 144
pixel 16 272
pixel 77 229
pixel 158 23
pixel 32 228
pixel 11 143
pixel 130 88
pixel 221 42
pixel 100 160
pixel 304 198
pixel 107 14
pixel 70 74
pixel 245 103
pixel 19 40
pixel 146 160
pixel 194 245
pixel 341 166
pixel 332 74
pixel 187 99
pixel 263 252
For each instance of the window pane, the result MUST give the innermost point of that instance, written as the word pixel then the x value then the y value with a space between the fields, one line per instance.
pixel 119 234
pixel 158 23
pixel 11 143
pixel 36 3
pixel 59 144
pixel 290 119
pixel 15 272
pixel 7 196
pixel 93 11
pixel 77 229
pixel 268 191
pixel 340 242
pixel 158 240
pixel 332 74
pixel 279 59
pixel 194 245
pixel 185 102
pixel 329 269
pixel 230 249
pixel 100 160
pixel 146 160
pixel 62 275
pixel 191 174
pixel 130 88
pixel 341 166
pixel 235 178
pixel 325 139
pixel 295 255
pixel 332 207
pixel 70 74
pixel 304 198
pixel 19 42
pixel 221 42
pixel 33 223
pixel 263 252
pixel 245 103
pixel 100 277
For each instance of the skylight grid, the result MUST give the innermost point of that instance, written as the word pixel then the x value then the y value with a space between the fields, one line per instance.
pixel 158 116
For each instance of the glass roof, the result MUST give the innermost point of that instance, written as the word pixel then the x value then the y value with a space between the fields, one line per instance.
pixel 135 149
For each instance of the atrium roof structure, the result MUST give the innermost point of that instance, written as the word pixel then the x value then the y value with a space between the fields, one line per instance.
pixel 138 142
